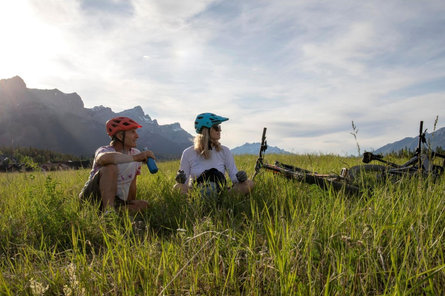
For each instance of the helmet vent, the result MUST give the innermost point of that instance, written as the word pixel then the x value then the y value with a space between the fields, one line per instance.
pixel 207 120
pixel 120 124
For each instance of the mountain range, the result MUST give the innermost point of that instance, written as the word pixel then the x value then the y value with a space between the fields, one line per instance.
pixel 53 120
pixel 435 139
pixel 56 121
pixel 254 148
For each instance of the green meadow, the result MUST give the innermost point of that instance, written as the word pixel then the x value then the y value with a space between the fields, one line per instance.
pixel 285 238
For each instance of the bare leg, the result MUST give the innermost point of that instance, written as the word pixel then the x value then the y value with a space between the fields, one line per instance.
pixel 132 204
pixel 183 188
pixel 108 185
pixel 243 188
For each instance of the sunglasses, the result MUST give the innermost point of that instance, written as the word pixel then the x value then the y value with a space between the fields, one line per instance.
pixel 217 128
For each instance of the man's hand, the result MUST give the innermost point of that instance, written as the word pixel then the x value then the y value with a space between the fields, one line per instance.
pixel 180 177
pixel 241 176
pixel 143 156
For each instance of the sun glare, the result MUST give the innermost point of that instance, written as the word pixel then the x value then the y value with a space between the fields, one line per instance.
pixel 28 43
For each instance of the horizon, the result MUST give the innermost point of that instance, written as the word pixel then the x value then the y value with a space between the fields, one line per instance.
pixel 304 70
pixel 246 143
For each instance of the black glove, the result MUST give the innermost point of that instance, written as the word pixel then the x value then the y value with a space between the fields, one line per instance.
pixel 241 176
pixel 181 177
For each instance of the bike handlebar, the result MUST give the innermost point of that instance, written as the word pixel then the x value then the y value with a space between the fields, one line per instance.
pixel 263 147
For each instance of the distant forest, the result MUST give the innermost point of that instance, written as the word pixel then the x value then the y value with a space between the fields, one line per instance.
pixel 406 152
pixel 34 156
pixel 29 155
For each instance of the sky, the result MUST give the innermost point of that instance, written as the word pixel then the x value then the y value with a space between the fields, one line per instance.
pixel 304 69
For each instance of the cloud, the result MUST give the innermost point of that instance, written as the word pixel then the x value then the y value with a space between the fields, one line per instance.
pixel 304 69
pixel 114 7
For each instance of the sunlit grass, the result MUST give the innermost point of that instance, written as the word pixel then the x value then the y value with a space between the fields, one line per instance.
pixel 286 238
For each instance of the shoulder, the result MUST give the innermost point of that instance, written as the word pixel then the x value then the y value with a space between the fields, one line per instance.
pixel 103 149
pixel 226 150
pixel 189 150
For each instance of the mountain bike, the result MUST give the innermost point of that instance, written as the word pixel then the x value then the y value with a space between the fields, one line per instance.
pixel 360 178
pixel 324 181
pixel 423 163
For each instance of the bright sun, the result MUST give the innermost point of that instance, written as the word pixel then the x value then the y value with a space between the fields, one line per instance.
pixel 28 44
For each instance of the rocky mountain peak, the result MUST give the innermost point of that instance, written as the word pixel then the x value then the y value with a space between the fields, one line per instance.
pixel 54 98
pixel 101 108
pixel 136 113
pixel 51 119
pixel 12 84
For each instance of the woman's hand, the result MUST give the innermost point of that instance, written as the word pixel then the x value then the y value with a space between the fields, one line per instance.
pixel 241 176
pixel 180 178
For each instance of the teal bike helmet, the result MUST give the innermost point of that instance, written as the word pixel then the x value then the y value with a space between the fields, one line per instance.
pixel 207 120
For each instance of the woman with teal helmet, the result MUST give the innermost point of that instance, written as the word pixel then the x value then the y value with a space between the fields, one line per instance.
pixel 207 160
pixel 207 120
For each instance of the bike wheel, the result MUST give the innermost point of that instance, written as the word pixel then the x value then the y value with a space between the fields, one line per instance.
pixel 368 175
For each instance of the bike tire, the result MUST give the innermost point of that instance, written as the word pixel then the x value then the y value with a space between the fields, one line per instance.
pixel 368 173
pixel 323 182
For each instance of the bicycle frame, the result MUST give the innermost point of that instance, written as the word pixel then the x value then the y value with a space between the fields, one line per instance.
pixel 345 180
pixel 324 181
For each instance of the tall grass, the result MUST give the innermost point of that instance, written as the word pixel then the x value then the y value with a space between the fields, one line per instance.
pixel 285 238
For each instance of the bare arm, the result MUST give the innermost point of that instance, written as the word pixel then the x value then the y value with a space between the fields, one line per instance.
pixel 107 158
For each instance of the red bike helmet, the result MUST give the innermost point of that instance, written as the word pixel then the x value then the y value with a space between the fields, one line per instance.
pixel 117 124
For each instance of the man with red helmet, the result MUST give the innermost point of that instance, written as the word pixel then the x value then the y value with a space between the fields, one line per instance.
pixel 112 179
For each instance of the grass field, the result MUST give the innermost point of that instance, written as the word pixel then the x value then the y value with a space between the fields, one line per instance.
pixel 286 238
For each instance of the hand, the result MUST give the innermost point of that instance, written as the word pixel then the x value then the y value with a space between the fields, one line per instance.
pixel 180 177
pixel 241 176
pixel 143 156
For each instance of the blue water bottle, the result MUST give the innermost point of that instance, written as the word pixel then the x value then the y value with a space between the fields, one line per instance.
pixel 151 164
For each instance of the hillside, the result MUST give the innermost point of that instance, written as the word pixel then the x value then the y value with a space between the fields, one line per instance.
pixel 435 139
pixel 53 120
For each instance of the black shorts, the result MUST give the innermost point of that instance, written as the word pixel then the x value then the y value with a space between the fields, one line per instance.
pixel 213 176
pixel 91 192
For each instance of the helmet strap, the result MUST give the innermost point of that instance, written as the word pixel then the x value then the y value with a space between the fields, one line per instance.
pixel 121 141
pixel 123 144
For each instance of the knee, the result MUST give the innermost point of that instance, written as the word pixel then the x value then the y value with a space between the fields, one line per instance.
pixel 248 185
pixel 244 188
pixel 183 188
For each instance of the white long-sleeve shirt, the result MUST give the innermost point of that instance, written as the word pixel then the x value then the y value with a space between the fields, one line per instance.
pixel 194 164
